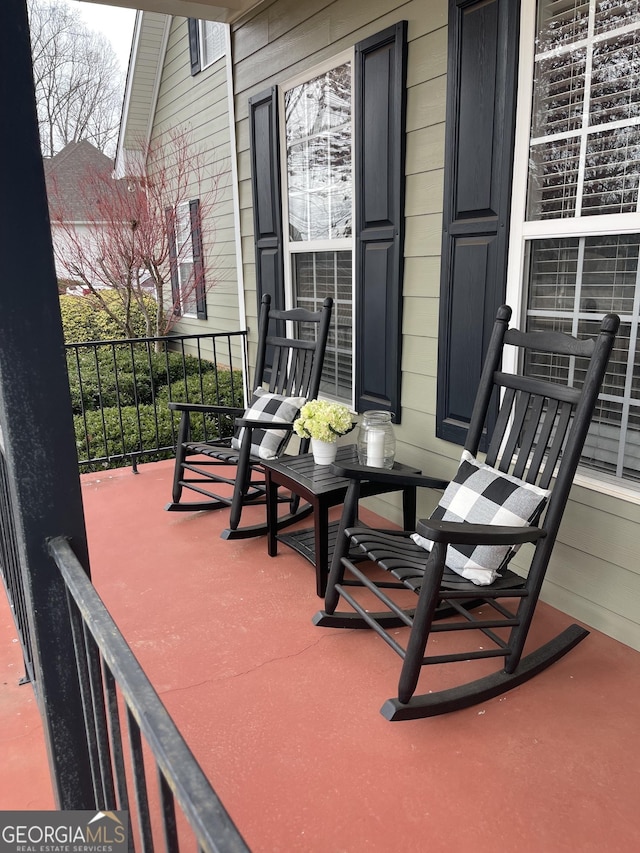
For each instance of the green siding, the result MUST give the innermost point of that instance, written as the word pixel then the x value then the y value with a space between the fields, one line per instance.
pixel 201 104
pixel 594 575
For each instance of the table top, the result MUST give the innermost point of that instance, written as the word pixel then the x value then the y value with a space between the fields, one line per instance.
pixel 319 479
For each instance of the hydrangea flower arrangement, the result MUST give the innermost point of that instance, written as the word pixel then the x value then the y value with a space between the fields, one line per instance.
pixel 323 420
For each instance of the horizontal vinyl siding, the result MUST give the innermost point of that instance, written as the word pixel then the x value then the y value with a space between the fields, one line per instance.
pixel 200 103
pixel 594 574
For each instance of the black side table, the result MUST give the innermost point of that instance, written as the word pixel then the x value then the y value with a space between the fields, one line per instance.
pixel 317 485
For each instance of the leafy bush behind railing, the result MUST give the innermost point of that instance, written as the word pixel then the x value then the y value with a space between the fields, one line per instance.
pixel 104 377
pixel 120 398
pixel 120 388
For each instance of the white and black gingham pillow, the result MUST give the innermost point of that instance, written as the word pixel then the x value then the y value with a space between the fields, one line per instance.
pixel 479 494
pixel 269 443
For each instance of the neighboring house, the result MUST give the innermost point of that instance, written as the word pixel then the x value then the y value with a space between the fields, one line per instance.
pixel 66 176
pixel 422 173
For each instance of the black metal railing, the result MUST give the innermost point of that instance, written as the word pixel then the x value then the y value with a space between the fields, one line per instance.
pixel 120 390
pixel 11 573
pixel 130 732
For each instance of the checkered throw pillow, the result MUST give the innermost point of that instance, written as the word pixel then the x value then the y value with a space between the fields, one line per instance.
pixel 269 443
pixel 479 494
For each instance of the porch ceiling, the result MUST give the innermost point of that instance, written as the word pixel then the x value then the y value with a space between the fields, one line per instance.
pixel 227 11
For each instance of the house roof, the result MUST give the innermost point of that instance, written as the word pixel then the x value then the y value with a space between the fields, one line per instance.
pixel 66 174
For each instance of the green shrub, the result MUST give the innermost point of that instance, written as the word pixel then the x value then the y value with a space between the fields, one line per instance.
pixel 120 374
pixel 145 427
pixel 84 319
pixel 221 388
pixel 112 433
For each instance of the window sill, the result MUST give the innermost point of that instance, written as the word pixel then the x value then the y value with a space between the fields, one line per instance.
pixel 610 486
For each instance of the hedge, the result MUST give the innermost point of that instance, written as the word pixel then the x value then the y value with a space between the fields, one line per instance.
pixel 138 377
pixel 83 319
pixel 120 393
pixel 113 432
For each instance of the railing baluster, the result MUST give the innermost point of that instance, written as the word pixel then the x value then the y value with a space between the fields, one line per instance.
pixel 107 799
pixel 100 398
pixel 82 669
pixel 140 784
pixel 12 576
pixel 134 373
pixel 168 815
pixel 152 388
pixel 115 732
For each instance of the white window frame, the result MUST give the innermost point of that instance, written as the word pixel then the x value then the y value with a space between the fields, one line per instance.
pixel 205 61
pixel 521 231
pixel 292 247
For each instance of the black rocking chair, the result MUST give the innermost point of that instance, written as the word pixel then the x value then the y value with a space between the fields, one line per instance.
pixel 288 372
pixel 517 496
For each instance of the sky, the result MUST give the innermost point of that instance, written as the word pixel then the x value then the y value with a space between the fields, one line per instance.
pixel 115 23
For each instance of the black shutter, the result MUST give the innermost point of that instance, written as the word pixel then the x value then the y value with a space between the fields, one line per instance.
pixel 379 134
pixel 267 196
pixel 198 260
pixel 170 220
pixel 194 45
pixel 481 93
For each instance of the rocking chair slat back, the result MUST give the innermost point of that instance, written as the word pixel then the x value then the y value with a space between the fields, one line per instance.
pixel 287 366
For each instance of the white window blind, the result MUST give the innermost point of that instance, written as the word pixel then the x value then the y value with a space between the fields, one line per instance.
pixel 212 41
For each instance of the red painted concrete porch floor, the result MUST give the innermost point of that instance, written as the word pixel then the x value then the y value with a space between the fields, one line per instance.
pixel 283 716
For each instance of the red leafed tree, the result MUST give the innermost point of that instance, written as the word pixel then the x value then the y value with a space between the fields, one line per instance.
pixel 141 236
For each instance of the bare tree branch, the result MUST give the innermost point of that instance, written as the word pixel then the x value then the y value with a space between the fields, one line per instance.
pixel 77 78
pixel 120 238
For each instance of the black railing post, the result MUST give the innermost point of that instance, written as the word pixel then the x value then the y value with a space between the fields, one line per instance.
pixel 36 430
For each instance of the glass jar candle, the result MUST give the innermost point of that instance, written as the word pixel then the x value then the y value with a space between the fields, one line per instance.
pixel 376 440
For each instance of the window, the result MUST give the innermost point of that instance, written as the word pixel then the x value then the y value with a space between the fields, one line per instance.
pixel 186 258
pixel 580 244
pixel 318 193
pixel 207 43
pixel 212 42
pixel 306 236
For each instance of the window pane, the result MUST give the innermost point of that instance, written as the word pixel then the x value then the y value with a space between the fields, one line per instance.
pixel 585 125
pixel 317 275
pixel 213 41
pixel 559 93
pixel 610 274
pixel 553 274
pixel 318 134
pixel 573 283
pixel 614 92
pixel 553 179
pixel 187 288
pixel 561 22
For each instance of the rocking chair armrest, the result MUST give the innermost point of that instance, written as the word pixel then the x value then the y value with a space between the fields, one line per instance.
pixel 387 476
pixel 206 409
pixel 253 423
pixel 462 533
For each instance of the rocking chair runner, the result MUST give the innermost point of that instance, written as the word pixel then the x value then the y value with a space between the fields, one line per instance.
pixel 530 465
pixel 287 373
